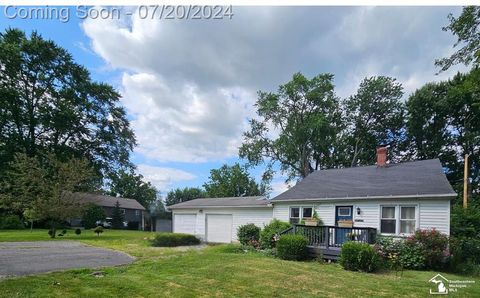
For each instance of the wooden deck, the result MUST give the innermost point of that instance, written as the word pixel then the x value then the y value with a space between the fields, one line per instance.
pixel 327 253
pixel 327 241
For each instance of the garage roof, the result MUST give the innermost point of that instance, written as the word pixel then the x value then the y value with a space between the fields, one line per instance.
pixel 423 178
pixel 223 202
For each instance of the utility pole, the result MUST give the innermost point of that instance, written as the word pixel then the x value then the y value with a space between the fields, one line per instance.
pixel 465 182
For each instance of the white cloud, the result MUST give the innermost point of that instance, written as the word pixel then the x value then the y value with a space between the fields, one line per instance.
pixel 401 42
pixel 162 177
pixel 181 122
pixel 190 85
pixel 278 187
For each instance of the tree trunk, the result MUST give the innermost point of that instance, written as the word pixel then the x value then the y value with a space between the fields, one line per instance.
pixel 54 230
pixel 31 226
pixel 355 154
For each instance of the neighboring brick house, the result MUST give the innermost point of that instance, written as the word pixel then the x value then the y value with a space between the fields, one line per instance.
pixel 132 210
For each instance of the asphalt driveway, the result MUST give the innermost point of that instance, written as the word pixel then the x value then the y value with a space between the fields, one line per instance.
pixel 23 258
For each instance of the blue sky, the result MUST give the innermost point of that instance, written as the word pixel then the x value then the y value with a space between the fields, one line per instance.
pixel 189 85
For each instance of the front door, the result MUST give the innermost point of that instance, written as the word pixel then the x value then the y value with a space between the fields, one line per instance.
pixel 343 220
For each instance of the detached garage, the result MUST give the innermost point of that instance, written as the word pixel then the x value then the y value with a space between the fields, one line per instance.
pixel 217 220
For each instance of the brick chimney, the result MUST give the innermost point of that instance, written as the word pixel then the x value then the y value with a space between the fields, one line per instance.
pixel 382 156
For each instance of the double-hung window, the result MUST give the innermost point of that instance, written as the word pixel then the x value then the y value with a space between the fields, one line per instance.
pixel 295 215
pixel 397 219
pixel 388 221
pixel 407 220
pixel 298 213
pixel 307 212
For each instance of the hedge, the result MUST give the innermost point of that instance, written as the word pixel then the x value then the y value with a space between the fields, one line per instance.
pixel 248 233
pixel 357 256
pixel 269 231
pixel 11 222
pixel 174 239
pixel 292 247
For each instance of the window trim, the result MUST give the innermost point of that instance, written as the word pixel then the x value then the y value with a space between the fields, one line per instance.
pixel 395 218
pixel 290 212
pixel 398 219
pixel 343 207
pixel 306 207
pixel 300 212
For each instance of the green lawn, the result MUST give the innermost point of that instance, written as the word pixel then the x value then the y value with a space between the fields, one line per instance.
pixel 213 271
pixel 134 243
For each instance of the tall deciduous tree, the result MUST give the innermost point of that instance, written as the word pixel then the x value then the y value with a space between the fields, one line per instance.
pixel 467 30
pixel 49 103
pixel 295 128
pixel 179 195
pixel 444 122
pixel 45 185
pixel 373 116
pixel 232 181
pixel 427 120
pixel 130 185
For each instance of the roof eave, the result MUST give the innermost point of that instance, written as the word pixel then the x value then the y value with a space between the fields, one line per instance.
pixel 426 196
pixel 122 207
pixel 217 206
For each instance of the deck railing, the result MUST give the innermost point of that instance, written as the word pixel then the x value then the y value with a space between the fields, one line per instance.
pixel 332 236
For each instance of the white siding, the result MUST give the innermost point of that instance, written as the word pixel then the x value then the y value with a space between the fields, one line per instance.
pixel 259 217
pixel 326 212
pixel 369 216
pixel 431 213
pixel 435 214
pixel 281 211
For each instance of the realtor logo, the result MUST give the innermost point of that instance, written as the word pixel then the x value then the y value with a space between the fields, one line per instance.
pixel 441 284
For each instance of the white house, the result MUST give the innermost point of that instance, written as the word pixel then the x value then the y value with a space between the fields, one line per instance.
pixel 394 199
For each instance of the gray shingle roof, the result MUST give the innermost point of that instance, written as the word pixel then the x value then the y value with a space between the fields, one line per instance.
pixel 418 178
pixel 108 201
pixel 223 202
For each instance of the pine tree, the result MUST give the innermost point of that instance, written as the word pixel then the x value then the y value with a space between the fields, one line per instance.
pixel 117 217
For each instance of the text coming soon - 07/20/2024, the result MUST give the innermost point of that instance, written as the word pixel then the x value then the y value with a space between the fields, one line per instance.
pixel 147 12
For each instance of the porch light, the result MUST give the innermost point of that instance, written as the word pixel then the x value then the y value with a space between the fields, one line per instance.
pixel 358 210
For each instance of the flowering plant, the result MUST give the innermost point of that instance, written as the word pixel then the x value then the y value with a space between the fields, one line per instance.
pixel 432 244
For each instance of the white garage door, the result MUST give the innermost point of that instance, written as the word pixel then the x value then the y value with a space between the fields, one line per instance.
pixel 219 228
pixel 184 223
